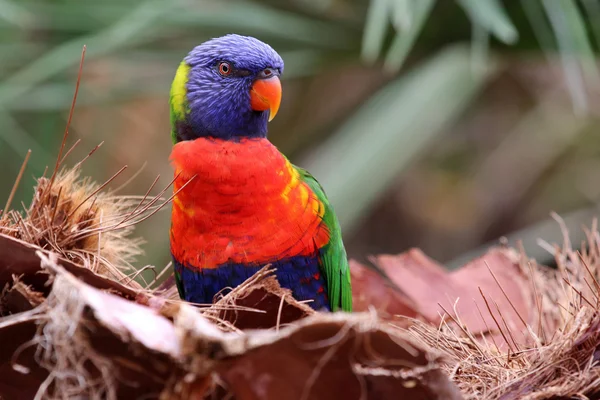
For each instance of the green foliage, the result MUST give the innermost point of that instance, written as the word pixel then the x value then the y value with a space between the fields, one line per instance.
pixel 391 129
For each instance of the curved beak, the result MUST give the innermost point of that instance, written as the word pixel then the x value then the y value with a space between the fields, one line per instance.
pixel 265 94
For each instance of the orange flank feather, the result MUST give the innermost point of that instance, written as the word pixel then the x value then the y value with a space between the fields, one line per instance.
pixel 246 204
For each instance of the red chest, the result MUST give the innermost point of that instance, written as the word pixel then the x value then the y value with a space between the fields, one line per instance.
pixel 245 204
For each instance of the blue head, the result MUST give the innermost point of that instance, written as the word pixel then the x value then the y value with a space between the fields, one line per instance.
pixel 226 88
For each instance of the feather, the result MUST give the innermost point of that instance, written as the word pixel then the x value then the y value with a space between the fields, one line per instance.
pixel 242 204
pixel 333 259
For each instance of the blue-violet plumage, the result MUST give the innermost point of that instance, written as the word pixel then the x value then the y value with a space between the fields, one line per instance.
pixel 223 100
pixel 302 274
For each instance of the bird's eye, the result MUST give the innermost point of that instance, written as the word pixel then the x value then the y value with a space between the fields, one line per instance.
pixel 224 68
pixel 267 73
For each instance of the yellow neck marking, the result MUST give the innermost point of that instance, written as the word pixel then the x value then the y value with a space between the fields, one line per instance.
pixel 178 92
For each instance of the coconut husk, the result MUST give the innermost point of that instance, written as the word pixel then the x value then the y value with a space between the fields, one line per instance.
pixel 85 225
pixel 508 327
pixel 92 344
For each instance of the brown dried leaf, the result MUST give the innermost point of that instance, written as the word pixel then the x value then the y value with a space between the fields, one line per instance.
pixel 335 356
pixel 121 349
pixel 432 291
pixel 118 348
pixel 370 289
pixel 424 281
pixel 511 289
pixel 19 259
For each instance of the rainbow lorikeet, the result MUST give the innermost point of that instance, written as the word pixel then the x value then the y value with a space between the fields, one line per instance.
pixel 244 205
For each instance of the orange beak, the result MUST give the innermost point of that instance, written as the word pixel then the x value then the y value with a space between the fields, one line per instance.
pixel 266 95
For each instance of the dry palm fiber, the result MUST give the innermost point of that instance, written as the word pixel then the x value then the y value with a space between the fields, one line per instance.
pixel 98 345
pixel 553 357
pixel 79 222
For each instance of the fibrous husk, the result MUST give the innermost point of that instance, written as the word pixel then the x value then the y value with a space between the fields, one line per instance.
pixel 85 224
pixel 508 327
pixel 98 345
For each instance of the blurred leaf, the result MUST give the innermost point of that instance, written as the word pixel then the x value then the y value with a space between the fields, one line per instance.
pixel 409 17
pixel 14 54
pixel 404 41
pixel 315 6
pixel 14 14
pixel 123 33
pixel 403 14
pixel 541 28
pixel 578 37
pixel 264 20
pixel 19 140
pixel 480 46
pixel 491 15
pixel 376 27
pixel 592 8
pixel 85 16
pixel 534 145
pixel 575 49
pixel 303 63
pixel 234 16
pixel 359 161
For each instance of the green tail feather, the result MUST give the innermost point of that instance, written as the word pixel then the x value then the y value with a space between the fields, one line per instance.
pixel 334 261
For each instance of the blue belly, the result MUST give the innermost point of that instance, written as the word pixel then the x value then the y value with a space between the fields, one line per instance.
pixel 301 274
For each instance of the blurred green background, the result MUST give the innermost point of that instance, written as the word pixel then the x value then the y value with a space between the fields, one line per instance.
pixel 437 124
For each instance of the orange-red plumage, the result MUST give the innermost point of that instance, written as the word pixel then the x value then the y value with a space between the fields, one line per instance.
pixel 246 204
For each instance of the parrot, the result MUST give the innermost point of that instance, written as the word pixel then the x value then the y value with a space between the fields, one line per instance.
pixel 238 203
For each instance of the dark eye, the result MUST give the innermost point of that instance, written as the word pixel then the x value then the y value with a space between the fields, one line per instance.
pixel 224 68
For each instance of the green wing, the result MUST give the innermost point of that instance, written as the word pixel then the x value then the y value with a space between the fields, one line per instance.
pixel 334 262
